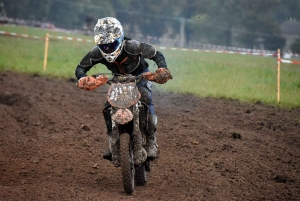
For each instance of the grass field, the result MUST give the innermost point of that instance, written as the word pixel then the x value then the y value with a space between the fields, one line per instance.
pixel 243 77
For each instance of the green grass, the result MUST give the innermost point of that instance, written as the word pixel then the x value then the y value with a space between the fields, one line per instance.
pixel 243 77
pixel 216 75
pixel 27 54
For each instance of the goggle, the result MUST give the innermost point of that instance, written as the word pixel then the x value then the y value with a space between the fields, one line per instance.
pixel 109 47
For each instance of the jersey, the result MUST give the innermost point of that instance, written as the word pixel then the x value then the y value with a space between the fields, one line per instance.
pixel 130 61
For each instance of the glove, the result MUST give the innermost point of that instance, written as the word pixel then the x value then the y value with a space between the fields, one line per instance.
pixel 160 76
pixel 90 83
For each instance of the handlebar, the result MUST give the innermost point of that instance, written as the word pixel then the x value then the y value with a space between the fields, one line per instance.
pixel 117 78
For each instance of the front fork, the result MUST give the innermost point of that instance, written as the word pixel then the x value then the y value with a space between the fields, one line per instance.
pixel 137 139
pixel 140 154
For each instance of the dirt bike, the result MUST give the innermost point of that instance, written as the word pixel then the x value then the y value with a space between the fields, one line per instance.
pixel 129 117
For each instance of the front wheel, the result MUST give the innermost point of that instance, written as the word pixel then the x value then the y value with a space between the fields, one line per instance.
pixel 127 164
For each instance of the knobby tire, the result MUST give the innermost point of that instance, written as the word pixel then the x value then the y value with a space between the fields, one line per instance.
pixel 127 165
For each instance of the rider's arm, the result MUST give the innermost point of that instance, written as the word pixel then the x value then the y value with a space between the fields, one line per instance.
pixel 162 74
pixel 145 50
pixel 89 60
pixel 89 82
pixel 159 59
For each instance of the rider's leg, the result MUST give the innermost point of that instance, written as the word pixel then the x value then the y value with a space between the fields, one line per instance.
pixel 106 113
pixel 146 97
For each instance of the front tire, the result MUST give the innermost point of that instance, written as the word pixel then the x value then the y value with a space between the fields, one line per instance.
pixel 127 164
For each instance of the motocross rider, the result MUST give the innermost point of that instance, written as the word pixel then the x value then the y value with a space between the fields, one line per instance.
pixel 122 55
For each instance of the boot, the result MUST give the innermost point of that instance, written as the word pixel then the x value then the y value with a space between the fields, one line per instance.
pixel 112 153
pixel 107 154
pixel 152 147
pixel 106 114
pixel 151 143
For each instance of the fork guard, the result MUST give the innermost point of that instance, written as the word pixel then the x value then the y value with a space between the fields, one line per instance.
pixel 140 154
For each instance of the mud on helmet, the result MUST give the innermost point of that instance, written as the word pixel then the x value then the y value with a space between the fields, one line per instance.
pixel 109 36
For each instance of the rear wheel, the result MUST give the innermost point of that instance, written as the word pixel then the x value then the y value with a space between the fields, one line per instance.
pixel 140 175
pixel 127 164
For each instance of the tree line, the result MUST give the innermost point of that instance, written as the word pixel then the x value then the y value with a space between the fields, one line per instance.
pixel 243 23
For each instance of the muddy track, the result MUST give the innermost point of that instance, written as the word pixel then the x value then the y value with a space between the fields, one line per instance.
pixel 210 149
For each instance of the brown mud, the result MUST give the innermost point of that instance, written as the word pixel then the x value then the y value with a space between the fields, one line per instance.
pixel 52 136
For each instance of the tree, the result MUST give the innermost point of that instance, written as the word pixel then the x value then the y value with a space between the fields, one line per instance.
pixel 215 21
pixel 295 46
pixel 273 42
pixel 72 14
pixel 64 13
pixel 288 9
pixel 147 17
pixel 231 22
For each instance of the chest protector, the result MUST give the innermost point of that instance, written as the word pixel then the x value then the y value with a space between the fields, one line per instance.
pixel 132 57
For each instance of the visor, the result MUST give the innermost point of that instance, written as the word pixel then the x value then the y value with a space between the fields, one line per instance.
pixel 109 47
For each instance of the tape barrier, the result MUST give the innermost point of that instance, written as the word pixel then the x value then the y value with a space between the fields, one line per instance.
pixel 289 61
pixel 43 38
pixel 221 51
pixel 160 47
pixel 20 35
pixel 71 38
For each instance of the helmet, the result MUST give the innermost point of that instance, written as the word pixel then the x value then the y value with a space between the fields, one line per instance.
pixel 109 36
